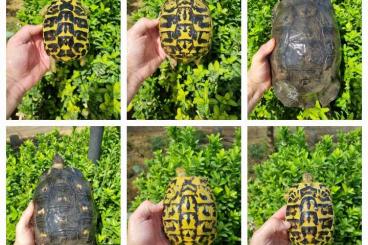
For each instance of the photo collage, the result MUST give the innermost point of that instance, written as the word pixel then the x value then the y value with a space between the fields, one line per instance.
pixel 184 122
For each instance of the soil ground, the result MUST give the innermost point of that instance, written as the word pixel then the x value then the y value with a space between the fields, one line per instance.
pixel 133 5
pixel 15 136
pixel 29 132
pixel 12 23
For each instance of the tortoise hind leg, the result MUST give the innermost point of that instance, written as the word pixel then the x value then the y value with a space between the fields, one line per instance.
pixel 198 61
pixel 44 10
pixel 52 65
pixel 330 93
pixel 82 61
pixel 173 63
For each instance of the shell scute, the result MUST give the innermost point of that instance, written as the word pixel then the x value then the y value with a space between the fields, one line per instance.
pixel 65 30
pixel 189 211
pixel 305 62
pixel 185 29
pixel 64 213
pixel 310 212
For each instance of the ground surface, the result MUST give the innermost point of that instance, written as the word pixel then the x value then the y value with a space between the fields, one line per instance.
pixel 12 23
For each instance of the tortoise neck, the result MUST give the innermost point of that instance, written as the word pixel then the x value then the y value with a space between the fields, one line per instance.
pixel 307 177
pixel 58 162
pixel 180 172
pixel 58 165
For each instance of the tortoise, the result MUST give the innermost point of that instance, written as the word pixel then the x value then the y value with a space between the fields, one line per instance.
pixel 306 59
pixel 189 215
pixel 65 30
pixel 64 211
pixel 310 212
pixel 185 30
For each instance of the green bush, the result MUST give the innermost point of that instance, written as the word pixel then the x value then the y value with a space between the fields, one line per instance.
pixel 348 104
pixel 257 151
pixel 208 91
pixel 221 167
pixel 91 91
pixel 26 164
pixel 336 163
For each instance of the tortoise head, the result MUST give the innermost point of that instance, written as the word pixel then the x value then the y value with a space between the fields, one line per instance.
pixel 58 162
pixel 180 172
pixel 307 178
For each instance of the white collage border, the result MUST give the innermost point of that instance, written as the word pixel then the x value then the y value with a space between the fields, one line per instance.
pixel 244 123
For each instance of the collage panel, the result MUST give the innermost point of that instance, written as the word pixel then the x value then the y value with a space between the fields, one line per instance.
pixel 305 185
pixel 189 179
pixel 304 60
pixel 63 185
pixel 184 59
pixel 63 59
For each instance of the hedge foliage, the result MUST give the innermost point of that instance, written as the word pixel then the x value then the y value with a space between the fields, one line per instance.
pixel 348 104
pixel 336 163
pixel 208 91
pixel 91 91
pixel 26 164
pixel 221 166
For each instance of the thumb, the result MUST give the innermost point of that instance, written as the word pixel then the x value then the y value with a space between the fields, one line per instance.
pixel 26 33
pixel 143 25
pixel 275 225
pixel 159 207
pixel 264 51
pixel 146 210
pixel 26 217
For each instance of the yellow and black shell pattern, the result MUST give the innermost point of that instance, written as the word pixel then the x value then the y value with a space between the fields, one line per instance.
pixel 310 213
pixel 185 29
pixel 189 211
pixel 65 30
pixel 63 207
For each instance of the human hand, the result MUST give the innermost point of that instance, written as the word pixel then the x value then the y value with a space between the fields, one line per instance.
pixel 24 234
pixel 26 63
pixel 145 53
pixel 274 231
pixel 259 74
pixel 145 225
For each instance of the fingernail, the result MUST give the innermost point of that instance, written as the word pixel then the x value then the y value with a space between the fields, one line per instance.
pixel 287 225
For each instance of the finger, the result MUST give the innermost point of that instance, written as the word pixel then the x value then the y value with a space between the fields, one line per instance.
pixel 144 211
pixel 26 33
pixel 274 225
pixel 26 217
pixel 161 51
pixel 264 51
pixel 157 209
pixel 144 24
pixel 281 213
pixel 160 208
pixel 36 29
pixel 45 58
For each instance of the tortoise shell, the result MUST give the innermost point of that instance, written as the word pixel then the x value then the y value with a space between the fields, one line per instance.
pixel 310 213
pixel 185 29
pixel 65 30
pixel 189 211
pixel 64 210
pixel 305 62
